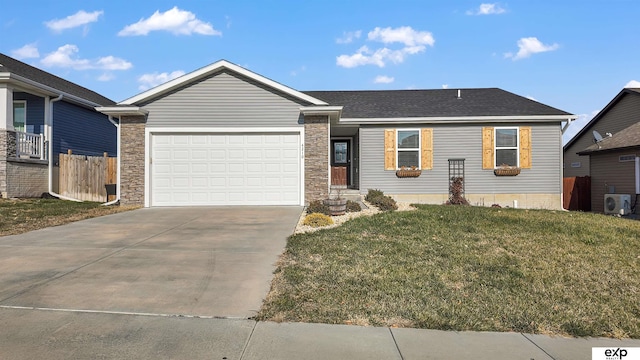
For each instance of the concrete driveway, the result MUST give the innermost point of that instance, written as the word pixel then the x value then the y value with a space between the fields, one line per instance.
pixel 204 262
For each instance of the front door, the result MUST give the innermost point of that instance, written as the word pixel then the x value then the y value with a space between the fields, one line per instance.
pixel 340 163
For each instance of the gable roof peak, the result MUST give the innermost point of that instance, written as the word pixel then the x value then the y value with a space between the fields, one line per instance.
pixel 205 71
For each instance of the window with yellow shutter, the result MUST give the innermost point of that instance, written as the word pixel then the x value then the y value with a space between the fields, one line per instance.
pixel 408 148
pixel 506 146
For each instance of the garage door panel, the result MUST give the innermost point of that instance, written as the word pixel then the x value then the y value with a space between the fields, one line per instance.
pixel 225 169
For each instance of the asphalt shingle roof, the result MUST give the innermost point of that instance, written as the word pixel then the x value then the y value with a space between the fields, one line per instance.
pixel 11 65
pixel 629 137
pixel 433 103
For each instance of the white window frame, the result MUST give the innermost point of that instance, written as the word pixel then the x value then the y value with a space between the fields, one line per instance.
pixel 496 147
pixel 13 109
pixel 418 149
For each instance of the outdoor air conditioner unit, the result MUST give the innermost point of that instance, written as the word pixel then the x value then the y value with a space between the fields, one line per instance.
pixel 617 204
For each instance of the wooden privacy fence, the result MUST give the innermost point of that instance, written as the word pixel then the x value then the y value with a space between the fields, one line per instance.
pixel 577 193
pixel 87 177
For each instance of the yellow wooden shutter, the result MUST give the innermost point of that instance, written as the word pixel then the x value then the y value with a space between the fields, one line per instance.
pixel 525 147
pixel 427 149
pixel 390 149
pixel 487 148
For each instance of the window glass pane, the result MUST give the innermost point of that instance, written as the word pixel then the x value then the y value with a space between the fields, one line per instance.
pixel 507 157
pixel 408 139
pixel 506 137
pixel 340 152
pixel 19 116
pixel 408 158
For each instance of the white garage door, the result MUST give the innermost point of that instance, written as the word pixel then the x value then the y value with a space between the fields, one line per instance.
pixel 225 169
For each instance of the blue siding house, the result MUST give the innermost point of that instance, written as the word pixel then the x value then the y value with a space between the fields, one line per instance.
pixel 41 116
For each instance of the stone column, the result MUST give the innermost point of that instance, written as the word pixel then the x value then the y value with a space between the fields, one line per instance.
pixel 316 157
pixel 132 162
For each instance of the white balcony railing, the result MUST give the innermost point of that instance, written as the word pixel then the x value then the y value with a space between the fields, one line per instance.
pixel 30 146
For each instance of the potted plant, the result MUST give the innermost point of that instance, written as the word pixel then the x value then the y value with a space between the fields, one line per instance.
pixel 405 172
pixel 337 204
pixel 506 170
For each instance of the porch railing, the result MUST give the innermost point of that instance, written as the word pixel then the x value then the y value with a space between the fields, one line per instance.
pixel 30 145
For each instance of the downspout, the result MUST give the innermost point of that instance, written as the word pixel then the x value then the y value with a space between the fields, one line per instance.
pixel 117 125
pixel 50 137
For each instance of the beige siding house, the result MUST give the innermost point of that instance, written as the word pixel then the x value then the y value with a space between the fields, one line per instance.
pixel 615 166
pixel 622 112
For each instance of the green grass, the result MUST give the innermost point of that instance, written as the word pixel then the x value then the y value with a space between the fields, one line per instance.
pixel 466 268
pixel 21 215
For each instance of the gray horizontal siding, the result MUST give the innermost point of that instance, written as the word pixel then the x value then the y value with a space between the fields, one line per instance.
pixel 224 100
pixel 464 141
pixel 606 171
pixel 619 117
pixel 35 111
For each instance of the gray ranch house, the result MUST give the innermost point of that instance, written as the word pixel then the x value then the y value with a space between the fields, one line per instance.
pixel 223 135
pixel 41 116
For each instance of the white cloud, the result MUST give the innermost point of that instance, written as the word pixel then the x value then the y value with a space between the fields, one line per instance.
pixel 383 79
pixel 29 51
pixel 529 46
pixel 404 34
pixel 487 9
pixel 414 42
pixel 66 57
pixel 106 77
pixel 298 71
pixel 531 98
pixel 175 21
pixel 78 19
pixel 445 86
pixel 349 36
pixel 633 84
pixel 113 63
pixel 148 81
pixel 380 57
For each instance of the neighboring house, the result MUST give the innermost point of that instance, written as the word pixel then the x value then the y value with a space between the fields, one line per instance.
pixel 223 135
pixel 615 166
pixel 621 112
pixel 39 111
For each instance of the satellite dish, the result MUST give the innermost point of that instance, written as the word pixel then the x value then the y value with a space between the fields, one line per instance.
pixel 596 136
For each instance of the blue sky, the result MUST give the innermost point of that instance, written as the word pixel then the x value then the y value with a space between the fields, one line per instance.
pixel 573 55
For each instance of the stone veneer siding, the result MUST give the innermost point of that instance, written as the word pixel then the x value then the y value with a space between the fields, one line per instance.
pixel 316 158
pixel 7 151
pixel 132 143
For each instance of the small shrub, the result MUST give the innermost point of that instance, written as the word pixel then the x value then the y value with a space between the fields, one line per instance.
pixel 317 220
pixel 353 206
pixel 372 194
pixel 318 206
pixel 456 192
pixel 385 203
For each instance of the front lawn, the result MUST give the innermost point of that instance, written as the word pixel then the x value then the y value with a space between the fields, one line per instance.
pixel 21 215
pixel 466 268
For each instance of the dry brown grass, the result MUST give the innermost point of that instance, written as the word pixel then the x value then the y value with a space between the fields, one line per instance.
pixel 18 216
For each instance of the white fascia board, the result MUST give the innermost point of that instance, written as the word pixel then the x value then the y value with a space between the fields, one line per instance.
pixel 47 90
pixel 121 110
pixel 334 112
pixel 457 119
pixel 222 64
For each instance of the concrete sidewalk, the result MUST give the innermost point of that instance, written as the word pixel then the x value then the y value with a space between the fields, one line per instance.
pixel 55 334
